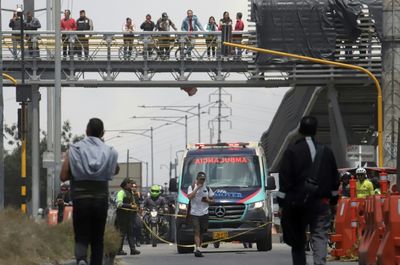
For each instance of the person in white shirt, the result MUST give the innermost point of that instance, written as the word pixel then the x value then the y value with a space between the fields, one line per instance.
pixel 200 197
pixel 128 28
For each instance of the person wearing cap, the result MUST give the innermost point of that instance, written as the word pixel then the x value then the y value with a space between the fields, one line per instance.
pixel 126 214
pixel 200 196
pixel 296 165
pixel 165 41
pixel 63 199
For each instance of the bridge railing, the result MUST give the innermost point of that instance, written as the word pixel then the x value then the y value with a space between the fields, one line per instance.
pixel 142 46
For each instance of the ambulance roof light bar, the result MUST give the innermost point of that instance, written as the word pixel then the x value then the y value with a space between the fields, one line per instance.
pixel 240 144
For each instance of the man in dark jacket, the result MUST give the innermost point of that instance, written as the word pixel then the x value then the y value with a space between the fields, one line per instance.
pixel 32 23
pixel 15 24
pixel 296 166
pixel 83 23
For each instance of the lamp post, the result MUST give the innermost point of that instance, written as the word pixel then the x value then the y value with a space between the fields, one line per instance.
pixel 147 169
pixel 142 132
pixel 169 119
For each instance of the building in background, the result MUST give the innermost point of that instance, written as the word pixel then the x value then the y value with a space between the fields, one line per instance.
pixel 135 172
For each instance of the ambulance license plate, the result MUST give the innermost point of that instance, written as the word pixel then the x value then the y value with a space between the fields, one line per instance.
pixel 220 235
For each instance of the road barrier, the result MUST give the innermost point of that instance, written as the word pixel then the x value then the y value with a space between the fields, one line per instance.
pixel 389 249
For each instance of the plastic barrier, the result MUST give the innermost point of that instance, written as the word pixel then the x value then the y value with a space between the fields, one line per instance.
pixel 67 213
pixel 389 249
pixel 52 217
pixel 373 232
pixel 344 238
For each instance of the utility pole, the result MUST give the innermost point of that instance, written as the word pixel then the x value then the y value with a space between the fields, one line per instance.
pixel 219 114
pixel 127 163
pixel 152 155
pixel 390 81
pixel 221 117
pixel 50 96
pixel 185 109
pixel 2 178
pixel 57 95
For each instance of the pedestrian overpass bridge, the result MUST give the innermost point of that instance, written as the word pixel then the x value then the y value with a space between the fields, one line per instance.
pixel 343 100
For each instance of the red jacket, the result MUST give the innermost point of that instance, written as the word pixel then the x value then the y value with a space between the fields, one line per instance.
pixel 239 25
pixel 68 24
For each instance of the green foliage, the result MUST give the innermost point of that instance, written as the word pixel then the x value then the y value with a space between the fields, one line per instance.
pixel 12 163
pixel 25 242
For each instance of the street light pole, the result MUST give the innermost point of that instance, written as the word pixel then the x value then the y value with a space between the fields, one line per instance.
pixel 127 163
pixel 152 155
pixel 166 119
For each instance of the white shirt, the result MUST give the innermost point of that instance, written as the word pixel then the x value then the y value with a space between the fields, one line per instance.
pixel 197 207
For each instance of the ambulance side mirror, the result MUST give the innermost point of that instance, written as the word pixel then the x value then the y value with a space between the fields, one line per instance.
pixel 270 183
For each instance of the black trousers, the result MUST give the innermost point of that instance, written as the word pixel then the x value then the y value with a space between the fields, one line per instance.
pixel 294 224
pixel 125 223
pixel 89 220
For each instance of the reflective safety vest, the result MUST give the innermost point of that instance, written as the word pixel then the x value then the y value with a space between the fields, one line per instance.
pixel 365 189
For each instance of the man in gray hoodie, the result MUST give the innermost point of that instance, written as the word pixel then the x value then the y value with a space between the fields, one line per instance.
pixel 89 165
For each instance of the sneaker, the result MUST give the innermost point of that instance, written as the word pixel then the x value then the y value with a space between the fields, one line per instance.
pixel 135 252
pixel 121 253
pixel 198 254
pixel 82 262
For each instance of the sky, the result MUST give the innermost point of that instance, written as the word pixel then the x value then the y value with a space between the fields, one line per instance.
pixel 252 108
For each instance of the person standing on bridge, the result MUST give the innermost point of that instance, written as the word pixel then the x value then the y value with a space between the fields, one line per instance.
pixel 165 40
pixel 15 24
pixel 128 28
pixel 32 23
pixel 67 24
pixel 190 23
pixel 211 40
pixel 89 165
pixel 148 25
pixel 237 38
pixel 200 197
pixel 83 23
pixel 309 183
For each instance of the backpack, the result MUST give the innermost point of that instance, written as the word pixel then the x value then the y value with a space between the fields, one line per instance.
pixel 308 190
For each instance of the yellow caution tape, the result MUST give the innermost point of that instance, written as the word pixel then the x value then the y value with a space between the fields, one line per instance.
pixel 204 243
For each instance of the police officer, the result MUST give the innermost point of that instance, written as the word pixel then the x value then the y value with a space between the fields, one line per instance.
pixel 83 23
pixel 296 166
pixel 126 215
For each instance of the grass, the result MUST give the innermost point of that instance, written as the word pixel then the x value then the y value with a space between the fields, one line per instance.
pixel 25 242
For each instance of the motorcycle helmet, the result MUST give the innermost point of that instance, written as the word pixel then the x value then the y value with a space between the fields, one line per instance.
pixel 164 15
pixel 361 171
pixel 155 191
pixel 346 175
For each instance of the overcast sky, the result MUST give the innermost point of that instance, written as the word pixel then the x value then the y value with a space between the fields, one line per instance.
pixel 252 108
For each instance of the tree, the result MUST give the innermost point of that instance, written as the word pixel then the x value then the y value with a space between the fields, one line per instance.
pixel 12 163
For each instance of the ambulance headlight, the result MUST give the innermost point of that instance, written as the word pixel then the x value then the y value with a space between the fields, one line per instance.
pixel 182 206
pixel 256 205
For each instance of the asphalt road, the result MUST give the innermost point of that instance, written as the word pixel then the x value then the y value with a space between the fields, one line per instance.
pixel 227 254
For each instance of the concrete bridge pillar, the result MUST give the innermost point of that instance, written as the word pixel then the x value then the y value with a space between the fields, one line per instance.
pixel 391 78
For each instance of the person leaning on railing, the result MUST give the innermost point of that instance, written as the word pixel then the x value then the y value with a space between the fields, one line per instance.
pixel 15 24
pixel 128 28
pixel 211 40
pixel 165 40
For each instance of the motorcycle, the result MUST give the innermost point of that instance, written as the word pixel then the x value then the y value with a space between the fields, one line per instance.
pixel 156 222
